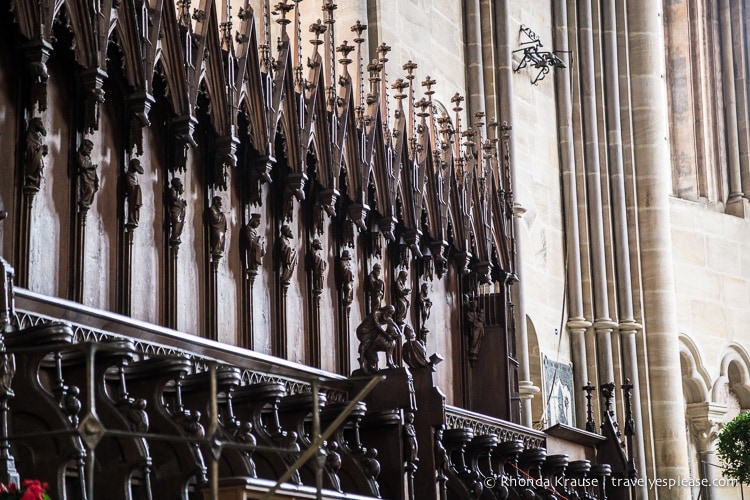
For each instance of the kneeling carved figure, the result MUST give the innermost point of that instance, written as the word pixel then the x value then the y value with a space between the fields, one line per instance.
pixel 378 332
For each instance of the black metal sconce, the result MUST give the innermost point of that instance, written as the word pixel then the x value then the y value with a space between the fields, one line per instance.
pixel 542 60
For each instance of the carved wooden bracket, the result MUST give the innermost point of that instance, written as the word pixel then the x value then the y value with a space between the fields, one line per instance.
pixel 182 139
pixel 37 53
pixel 140 105
pixel 93 81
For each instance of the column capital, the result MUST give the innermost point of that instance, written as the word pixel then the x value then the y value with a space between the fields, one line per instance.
pixel 706 420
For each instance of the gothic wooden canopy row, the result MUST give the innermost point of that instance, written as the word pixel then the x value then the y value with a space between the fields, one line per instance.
pixel 443 185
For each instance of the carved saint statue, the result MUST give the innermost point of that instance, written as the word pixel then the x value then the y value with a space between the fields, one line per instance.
pixel 414 350
pixel 475 318
pixel 88 178
pixel 411 446
pixel 217 225
pixel 377 333
pixel 346 270
pixel 401 294
pixel 319 266
pixel 254 245
pixel 425 304
pixel 34 153
pixel 374 288
pixel 177 206
pixel 133 192
pixel 288 254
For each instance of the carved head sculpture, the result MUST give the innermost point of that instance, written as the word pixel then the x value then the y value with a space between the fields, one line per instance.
pixel 388 311
pixel 36 125
pixel 86 147
pixel 254 220
pixel 216 202
pixel 346 255
pixel 135 166
pixel 287 231
pixel 177 185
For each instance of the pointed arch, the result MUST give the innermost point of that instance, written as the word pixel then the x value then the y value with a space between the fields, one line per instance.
pixel 696 382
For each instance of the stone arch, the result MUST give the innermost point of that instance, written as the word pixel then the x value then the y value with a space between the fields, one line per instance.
pixel 538 404
pixel 734 376
pixel 696 383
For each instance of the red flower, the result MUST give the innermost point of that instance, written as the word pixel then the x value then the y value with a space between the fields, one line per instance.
pixel 30 490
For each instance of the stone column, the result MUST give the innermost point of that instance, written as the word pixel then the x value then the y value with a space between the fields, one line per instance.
pixel 576 324
pixel 737 204
pixel 652 166
pixel 505 40
pixel 706 420
pixel 627 325
pixel 474 63
pixel 603 325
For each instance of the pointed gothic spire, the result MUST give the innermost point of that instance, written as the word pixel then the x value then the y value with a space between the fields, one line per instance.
pixel 382 51
pixel 360 28
pixel 330 55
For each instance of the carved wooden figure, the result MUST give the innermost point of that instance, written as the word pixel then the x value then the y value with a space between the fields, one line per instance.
pixel 319 266
pixel 87 175
pixel 177 206
pixel 475 318
pixel 346 269
pixel 377 333
pixel 217 223
pixel 414 349
pixel 374 288
pixel 34 153
pixel 425 304
pixel 254 246
pixel 401 293
pixel 133 193
pixel 288 254
pixel 411 446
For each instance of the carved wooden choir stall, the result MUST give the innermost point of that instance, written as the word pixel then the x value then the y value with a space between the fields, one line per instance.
pixel 238 270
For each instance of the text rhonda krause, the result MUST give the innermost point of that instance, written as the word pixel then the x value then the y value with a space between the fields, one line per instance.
pixel 591 482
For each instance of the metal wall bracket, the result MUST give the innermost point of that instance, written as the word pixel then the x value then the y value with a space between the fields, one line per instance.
pixel 533 57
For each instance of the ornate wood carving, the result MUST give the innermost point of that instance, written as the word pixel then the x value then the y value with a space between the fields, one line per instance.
pixel 379 332
pixel 253 247
pixel 374 289
pixel 288 255
pixel 421 185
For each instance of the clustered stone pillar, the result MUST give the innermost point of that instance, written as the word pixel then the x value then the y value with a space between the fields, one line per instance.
pixel 577 323
pixel 603 325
